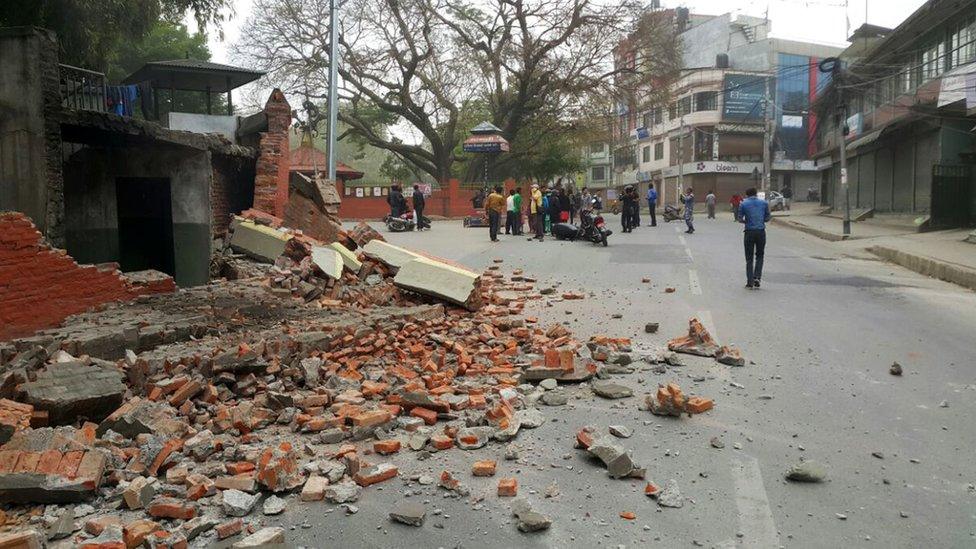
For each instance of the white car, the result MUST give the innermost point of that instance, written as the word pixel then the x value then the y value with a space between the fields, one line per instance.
pixel 776 201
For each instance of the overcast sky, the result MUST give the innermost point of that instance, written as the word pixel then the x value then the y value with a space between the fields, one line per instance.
pixel 823 21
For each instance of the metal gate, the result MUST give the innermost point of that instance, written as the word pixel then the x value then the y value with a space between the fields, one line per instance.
pixel 952 196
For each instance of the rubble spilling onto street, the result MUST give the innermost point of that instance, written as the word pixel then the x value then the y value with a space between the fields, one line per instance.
pixel 289 382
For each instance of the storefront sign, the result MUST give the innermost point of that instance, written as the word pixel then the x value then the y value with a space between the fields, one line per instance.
pixel 744 96
pixel 713 166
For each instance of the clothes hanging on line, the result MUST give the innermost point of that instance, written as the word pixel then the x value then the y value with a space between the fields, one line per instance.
pixel 121 99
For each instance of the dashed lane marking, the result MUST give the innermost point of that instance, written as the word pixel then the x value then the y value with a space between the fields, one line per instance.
pixel 681 239
pixel 755 515
pixel 693 282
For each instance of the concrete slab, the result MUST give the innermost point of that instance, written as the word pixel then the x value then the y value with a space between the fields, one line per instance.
pixel 393 256
pixel 434 278
pixel 349 259
pixel 258 241
pixel 328 260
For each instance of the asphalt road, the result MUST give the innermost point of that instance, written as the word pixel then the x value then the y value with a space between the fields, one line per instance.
pixel 819 338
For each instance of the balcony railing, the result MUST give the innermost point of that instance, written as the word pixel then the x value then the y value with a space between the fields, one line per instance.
pixel 82 89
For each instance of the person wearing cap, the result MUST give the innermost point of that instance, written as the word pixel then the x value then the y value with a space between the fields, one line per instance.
pixel 538 214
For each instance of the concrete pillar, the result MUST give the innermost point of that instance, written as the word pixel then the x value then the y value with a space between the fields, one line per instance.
pixel 30 132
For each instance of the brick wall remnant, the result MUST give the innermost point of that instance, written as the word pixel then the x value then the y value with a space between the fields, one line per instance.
pixel 271 177
pixel 40 286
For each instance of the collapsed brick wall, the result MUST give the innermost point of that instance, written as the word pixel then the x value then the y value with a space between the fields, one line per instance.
pixel 271 177
pixel 41 286
pixel 231 190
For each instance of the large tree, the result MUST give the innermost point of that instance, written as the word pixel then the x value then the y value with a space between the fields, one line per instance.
pixel 91 32
pixel 528 63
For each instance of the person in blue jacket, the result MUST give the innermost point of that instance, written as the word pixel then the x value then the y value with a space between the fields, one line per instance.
pixel 652 203
pixel 754 213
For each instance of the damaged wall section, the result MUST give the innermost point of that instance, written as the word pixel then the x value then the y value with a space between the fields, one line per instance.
pixel 41 286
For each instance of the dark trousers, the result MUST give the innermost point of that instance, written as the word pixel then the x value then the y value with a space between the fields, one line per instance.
pixel 540 224
pixel 711 211
pixel 494 222
pixel 755 244
pixel 420 218
pixel 651 205
pixel 510 222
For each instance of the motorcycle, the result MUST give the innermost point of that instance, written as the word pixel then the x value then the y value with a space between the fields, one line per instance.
pixel 671 213
pixel 403 223
pixel 592 227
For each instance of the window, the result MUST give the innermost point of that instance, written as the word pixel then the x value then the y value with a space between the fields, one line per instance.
pixel 684 105
pixel 706 101
pixel 672 111
pixel 657 115
pixel 646 153
pixel 932 61
pixel 964 43
pixel 659 150
pixel 598 173
pixel 647 121
pixel 596 148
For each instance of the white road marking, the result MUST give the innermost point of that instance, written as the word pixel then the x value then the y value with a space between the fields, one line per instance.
pixel 677 228
pixel 688 253
pixel 693 282
pixel 755 515
pixel 681 239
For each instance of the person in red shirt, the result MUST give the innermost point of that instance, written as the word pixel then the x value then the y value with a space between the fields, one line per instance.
pixel 735 202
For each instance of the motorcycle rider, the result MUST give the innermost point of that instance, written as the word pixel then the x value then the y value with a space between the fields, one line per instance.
pixel 398 205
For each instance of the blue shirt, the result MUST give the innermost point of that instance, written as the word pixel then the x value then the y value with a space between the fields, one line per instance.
pixel 652 195
pixel 754 213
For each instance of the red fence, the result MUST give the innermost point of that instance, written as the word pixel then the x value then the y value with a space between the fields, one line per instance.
pixel 447 201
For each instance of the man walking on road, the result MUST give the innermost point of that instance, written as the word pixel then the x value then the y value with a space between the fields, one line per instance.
pixel 710 204
pixel 535 209
pixel 495 207
pixel 510 213
pixel 735 202
pixel 754 213
pixel 652 203
pixel 787 191
pixel 517 202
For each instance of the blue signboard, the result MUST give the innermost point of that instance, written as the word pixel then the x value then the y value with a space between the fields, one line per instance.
pixel 744 96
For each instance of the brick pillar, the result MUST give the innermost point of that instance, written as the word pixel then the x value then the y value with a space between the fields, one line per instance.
pixel 271 170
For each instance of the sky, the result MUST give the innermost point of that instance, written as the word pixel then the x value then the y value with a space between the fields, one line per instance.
pixel 821 21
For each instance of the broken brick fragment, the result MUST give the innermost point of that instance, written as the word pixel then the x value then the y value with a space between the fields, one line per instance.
pixel 483 468
pixel 386 447
pixel 697 405
pixel 230 528
pixel 429 416
pixel 697 342
pixel 507 487
pixel 278 469
pixel 171 508
pixel 375 473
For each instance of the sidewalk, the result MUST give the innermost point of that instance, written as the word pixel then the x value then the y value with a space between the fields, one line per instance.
pixel 940 254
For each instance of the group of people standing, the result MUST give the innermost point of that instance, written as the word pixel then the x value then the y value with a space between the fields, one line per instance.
pixel 399 207
pixel 543 207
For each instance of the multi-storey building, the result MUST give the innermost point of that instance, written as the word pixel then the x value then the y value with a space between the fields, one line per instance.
pixel 736 82
pixel 907 99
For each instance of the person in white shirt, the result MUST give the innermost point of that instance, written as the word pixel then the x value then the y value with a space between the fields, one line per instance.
pixel 710 204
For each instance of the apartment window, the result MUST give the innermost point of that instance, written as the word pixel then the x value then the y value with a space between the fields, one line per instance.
pixel 964 43
pixel 672 111
pixel 598 173
pixel 933 61
pixel 646 153
pixel 659 150
pixel 647 120
pixel 706 101
pixel 596 148
pixel 684 105
pixel 657 115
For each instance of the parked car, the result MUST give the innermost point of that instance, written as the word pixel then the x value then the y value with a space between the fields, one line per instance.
pixel 776 201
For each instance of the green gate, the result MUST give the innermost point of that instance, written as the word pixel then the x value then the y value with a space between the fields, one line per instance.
pixel 952 197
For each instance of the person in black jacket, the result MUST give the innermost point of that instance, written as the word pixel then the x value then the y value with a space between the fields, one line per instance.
pixel 628 203
pixel 418 208
pixel 398 205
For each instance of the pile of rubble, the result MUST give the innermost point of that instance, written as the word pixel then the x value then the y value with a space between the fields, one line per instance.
pixel 171 417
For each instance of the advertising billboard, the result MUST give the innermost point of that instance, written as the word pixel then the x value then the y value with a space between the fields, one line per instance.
pixel 744 96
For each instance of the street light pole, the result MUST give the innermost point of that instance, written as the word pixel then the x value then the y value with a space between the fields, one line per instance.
pixel 333 85
pixel 845 188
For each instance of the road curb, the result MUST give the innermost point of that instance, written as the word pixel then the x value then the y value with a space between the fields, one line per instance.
pixel 809 230
pixel 928 266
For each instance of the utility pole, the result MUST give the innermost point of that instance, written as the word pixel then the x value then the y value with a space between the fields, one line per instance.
pixel 333 86
pixel 681 158
pixel 767 137
pixel 844 187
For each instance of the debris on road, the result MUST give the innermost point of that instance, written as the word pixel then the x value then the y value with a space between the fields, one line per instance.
pixel 409 513
pixel 669 400
pixel 895 369
pixel 697 342
pixel 807 471
pixel 529 520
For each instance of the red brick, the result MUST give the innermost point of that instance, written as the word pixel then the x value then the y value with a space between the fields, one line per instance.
pixel 229 528
pixel 371 417
pixel 135 532
pixel 697 405
pixel 27 462
pixel 442 442
pixel 69 463
pixel 376 473
pixel 483 468
pixel 429 416
pixel 507 487
pixel 386 447
pixel 172 508
pixel 239 467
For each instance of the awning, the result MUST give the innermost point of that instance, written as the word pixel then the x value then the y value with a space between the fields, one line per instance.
pixel 865 139
pixel 957 85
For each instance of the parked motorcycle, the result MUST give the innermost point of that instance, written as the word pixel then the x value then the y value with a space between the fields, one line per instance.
pixel 671 213
pixel 403 223
pixel 591 227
